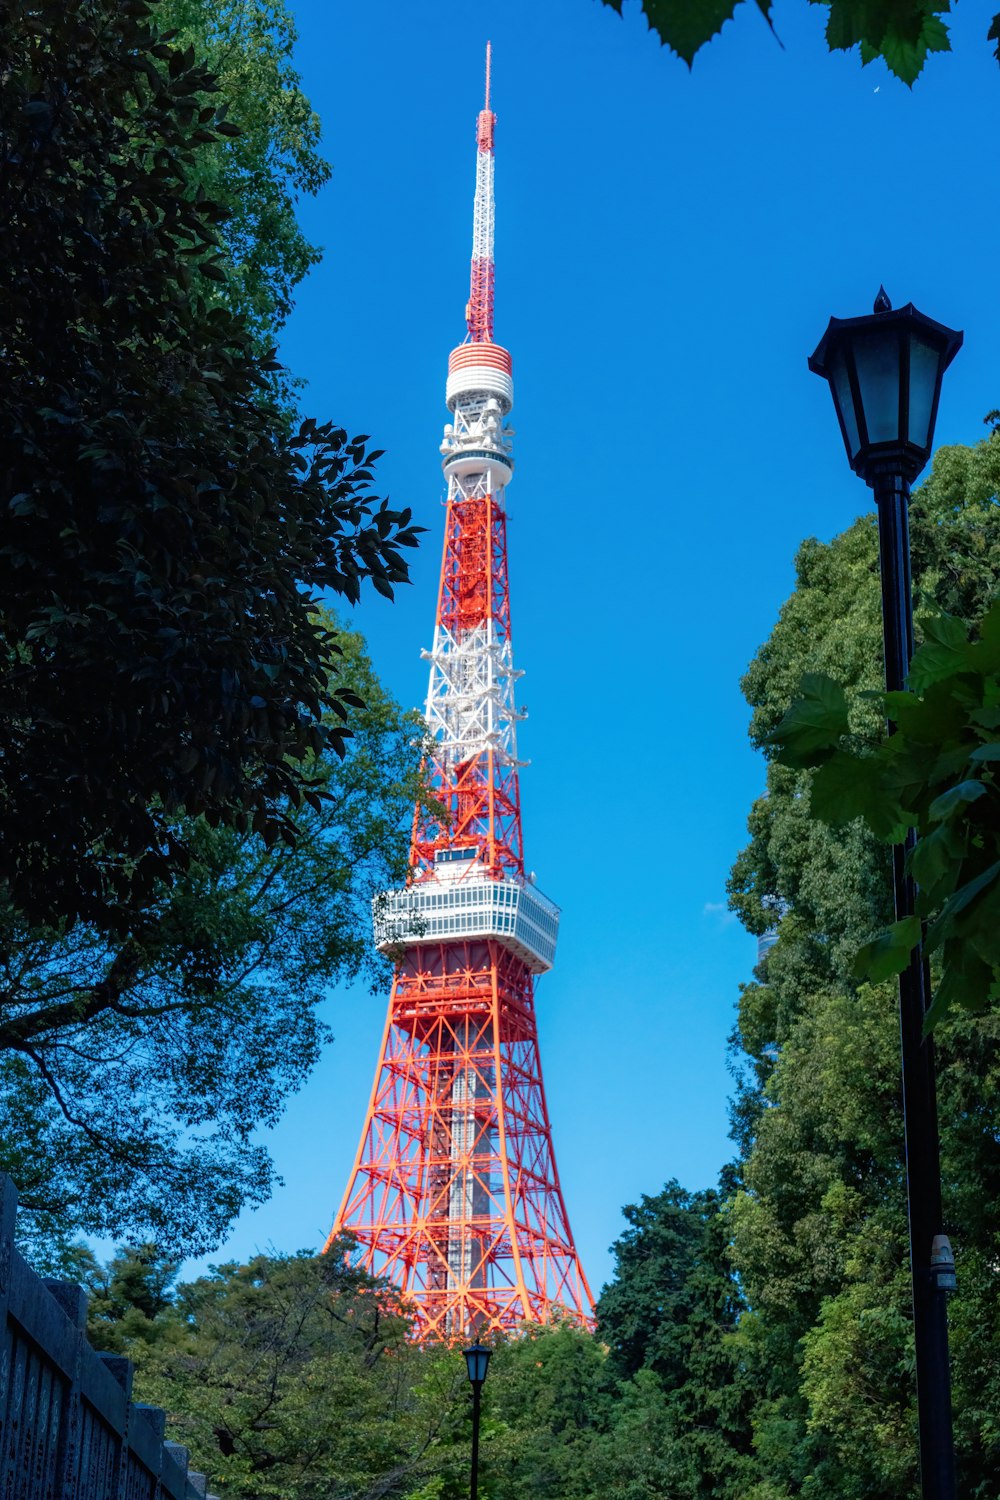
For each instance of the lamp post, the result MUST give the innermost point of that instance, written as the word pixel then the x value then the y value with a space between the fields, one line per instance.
pixel 477 1362
pixel 885 372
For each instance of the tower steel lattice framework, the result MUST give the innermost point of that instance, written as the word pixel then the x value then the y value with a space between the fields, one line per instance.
pixel 454 1194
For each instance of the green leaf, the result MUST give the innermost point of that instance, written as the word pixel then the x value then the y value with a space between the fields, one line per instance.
pixel 982 930
pixel 889 953
pixel 849 786
pixel 993 35
pixel 843 29
pixel 985 718
pixel 966 981
pixel 934 662
pixel 686 25
pixel 988 752
pixel 933 860
pixel 908 768
pixel 945 629
pixel 954 798
pixel 939 714
pixel 989 626
pixel 813 725
pixel 900 707
pixel 905 54
pixel 950 763
pixel 943 926
pixel 944 652
pixel 934 33
pixel 902 33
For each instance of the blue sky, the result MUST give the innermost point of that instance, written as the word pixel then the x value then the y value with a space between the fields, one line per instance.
pixel 669 248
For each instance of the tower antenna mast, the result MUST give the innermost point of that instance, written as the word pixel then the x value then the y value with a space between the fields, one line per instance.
pixel 479 311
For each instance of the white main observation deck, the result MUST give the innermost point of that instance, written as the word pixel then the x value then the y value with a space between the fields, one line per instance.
pixel 444 909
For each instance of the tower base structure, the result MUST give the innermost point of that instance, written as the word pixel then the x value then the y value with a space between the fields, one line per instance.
pixel 455 1195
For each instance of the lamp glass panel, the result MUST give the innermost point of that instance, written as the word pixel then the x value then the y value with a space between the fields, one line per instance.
pixel 841 387
pixel 925 361
pixel 876 355
pixel 477 1360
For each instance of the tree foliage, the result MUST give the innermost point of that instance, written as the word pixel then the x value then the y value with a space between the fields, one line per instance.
pixel 902 32
pixel 290 1376
pixel 258 174
pixel 293 1376
pixel 162 535
pixel 128 1298
pixel 937 775
pixel 819 1223
pixel 819 1240
pixel 135 1077
pixel 672 1311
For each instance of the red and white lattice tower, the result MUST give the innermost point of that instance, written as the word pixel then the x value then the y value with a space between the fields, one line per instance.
pixel 454 1195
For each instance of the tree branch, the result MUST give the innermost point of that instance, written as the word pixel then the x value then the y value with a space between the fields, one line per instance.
pixel 104 996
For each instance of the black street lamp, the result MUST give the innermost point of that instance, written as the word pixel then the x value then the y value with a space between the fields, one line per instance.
pixel 477 1362
pixel 885 373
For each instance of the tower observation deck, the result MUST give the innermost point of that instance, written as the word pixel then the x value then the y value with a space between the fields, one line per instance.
pixel 454 1194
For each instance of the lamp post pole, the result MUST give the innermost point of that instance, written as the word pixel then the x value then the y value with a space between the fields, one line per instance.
pixel 920 1122
pixel 474 1479
pixel 885 372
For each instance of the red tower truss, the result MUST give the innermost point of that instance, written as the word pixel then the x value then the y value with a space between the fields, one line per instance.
pixel 454 1195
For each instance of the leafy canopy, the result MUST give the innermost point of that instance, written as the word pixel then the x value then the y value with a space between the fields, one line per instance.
pixel 817 1227
pixel 669 1316
pixel 162 535
pixel 286 1377
pixel 937 774
pixel 258 173
pixel 136 1077
pixel 293 1377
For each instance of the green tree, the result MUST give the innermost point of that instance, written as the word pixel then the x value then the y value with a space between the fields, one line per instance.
pixel 292 1377
pixel 546 1415
pixel 902 32
pixel 644 1456
pixel 819 1225
pixel 127 1298
pixel 819 1236
pixel 259 174
pixel 164 535
pixel 131 1104
pixel 672 1311
pixel 834 882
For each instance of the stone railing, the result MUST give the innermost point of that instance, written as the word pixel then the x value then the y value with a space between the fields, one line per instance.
pixel 69 1429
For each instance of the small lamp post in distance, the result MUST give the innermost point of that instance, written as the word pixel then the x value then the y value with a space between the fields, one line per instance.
pixel 885 372
pixel 477 1363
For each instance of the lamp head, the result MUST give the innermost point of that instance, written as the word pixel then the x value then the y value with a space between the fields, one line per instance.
pixel 885 372
pixel 477 1360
